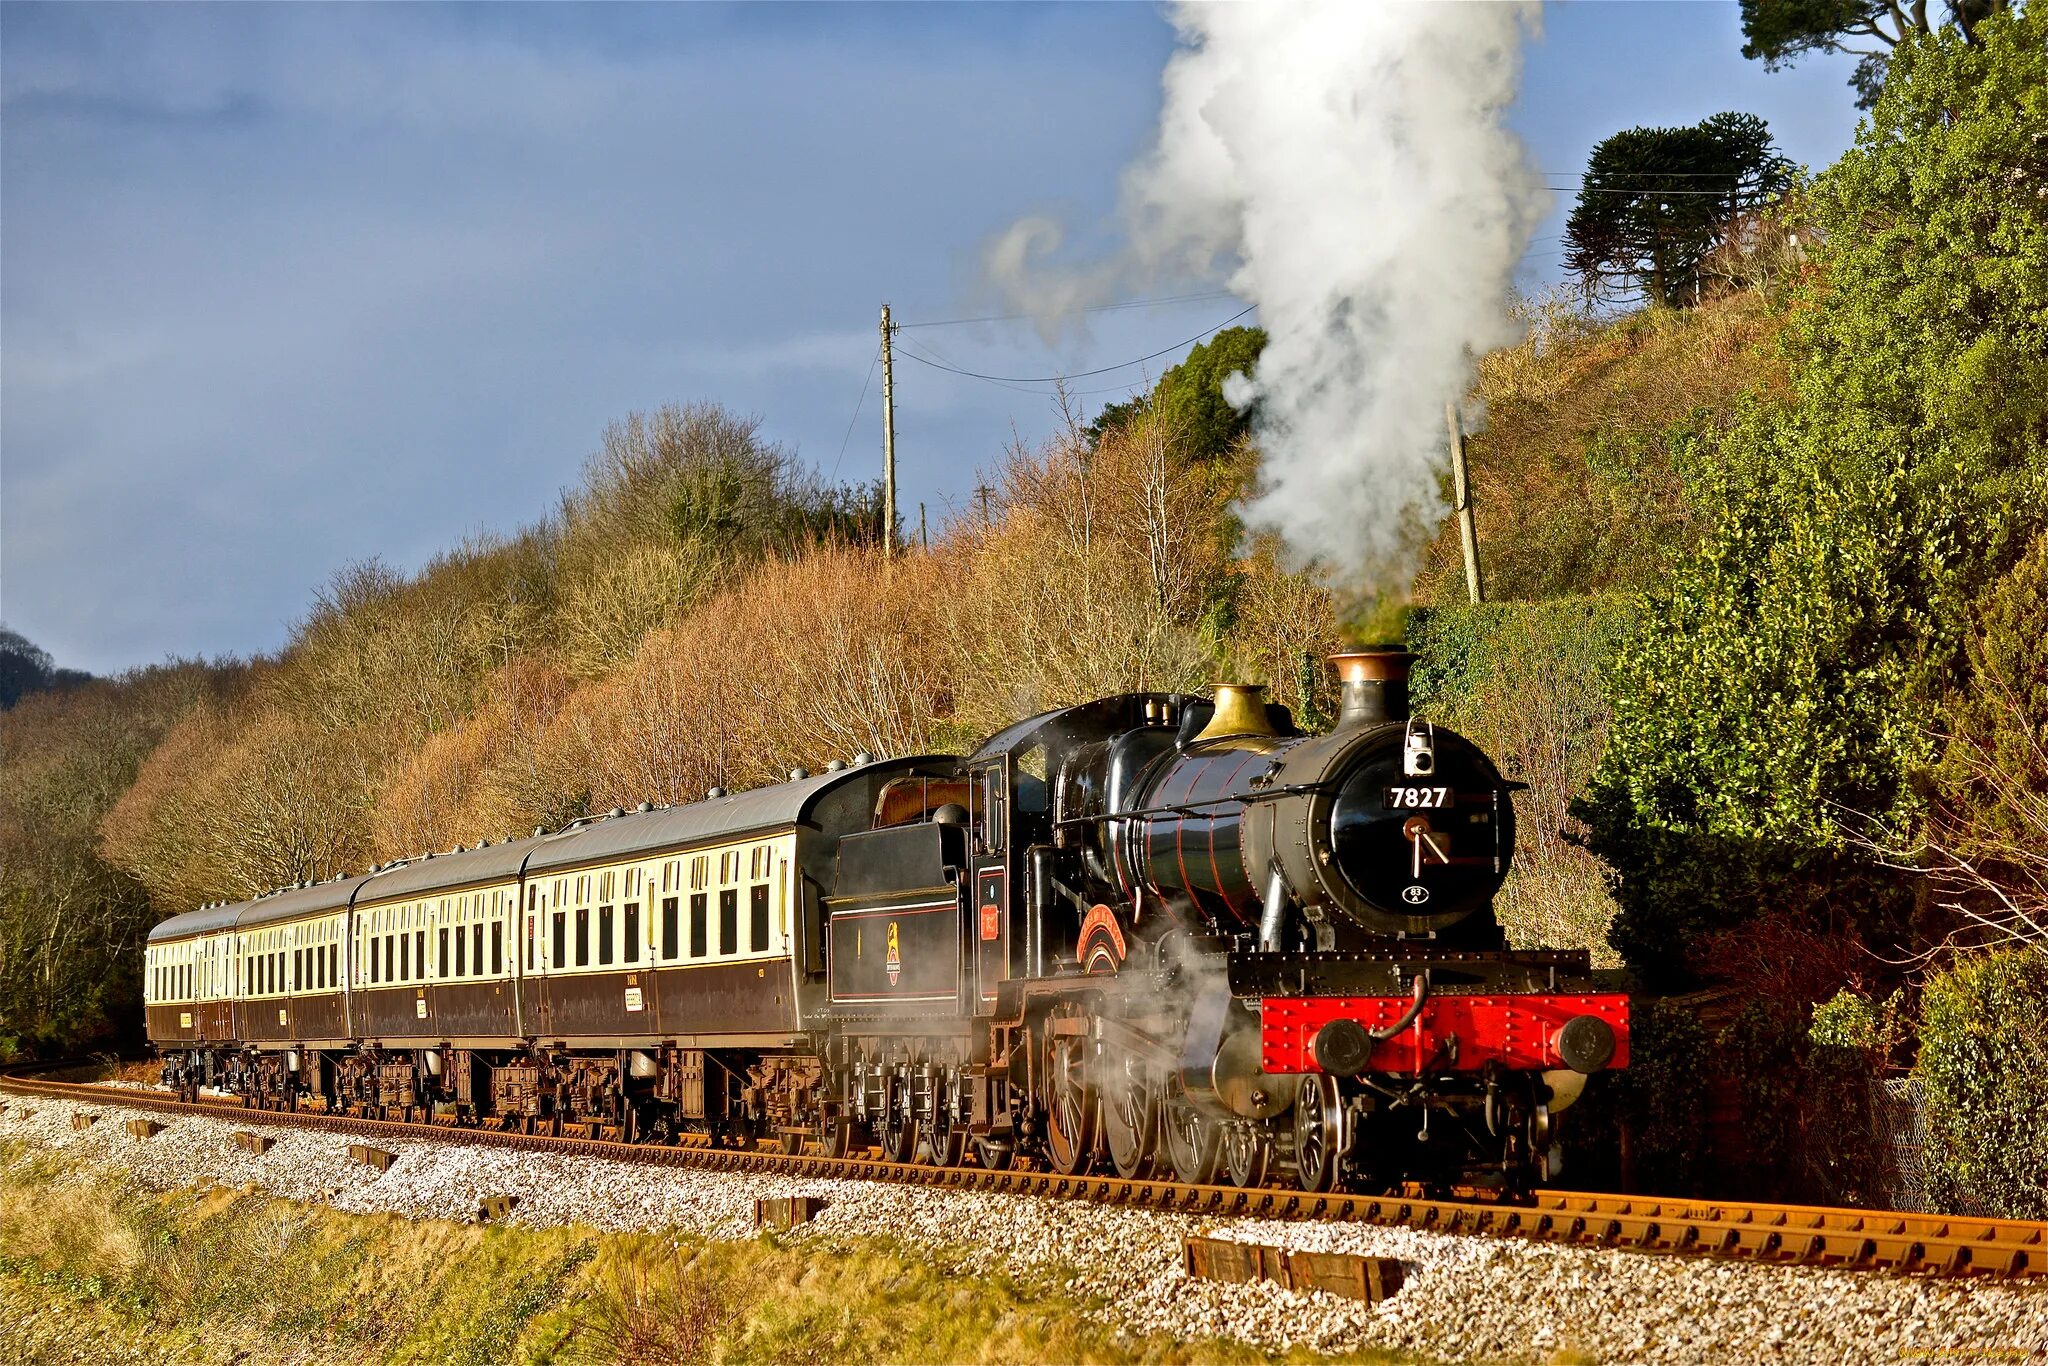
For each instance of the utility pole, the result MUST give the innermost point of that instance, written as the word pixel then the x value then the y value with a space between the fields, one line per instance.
pixel 982 491
pixel 1461 493
pixel 923 537
pixel 888 439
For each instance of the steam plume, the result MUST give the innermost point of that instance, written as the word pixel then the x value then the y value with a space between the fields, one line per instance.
pixel 1346 164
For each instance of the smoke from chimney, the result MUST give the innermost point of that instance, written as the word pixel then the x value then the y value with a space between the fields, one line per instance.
pixel 1345 165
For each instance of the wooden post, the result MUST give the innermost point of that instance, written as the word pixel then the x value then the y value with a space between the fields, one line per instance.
pixel 1461 493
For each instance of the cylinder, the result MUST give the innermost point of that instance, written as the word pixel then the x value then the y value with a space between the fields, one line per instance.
pixel 1372 686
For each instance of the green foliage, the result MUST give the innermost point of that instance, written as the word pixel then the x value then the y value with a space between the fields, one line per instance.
pixel 1783 678
pixel 1656 201
pixel 1779 32
pixel 1526 682
pixel 1188 399
pixel 1984 1072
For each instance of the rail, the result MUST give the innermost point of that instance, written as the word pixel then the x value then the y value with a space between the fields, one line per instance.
pixel 1883 1240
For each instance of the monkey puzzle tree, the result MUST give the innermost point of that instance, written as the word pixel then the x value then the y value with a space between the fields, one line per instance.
pixel 1656 201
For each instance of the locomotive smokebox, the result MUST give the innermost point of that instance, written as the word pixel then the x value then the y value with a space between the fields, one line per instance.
pixel 1372 686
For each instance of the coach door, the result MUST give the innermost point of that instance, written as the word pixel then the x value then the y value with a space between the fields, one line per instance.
pixel 989 927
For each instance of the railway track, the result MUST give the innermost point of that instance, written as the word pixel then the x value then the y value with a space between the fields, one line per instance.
pixel 1927 1244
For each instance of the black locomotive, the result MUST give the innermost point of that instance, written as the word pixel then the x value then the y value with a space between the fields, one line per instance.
pixel 1154 933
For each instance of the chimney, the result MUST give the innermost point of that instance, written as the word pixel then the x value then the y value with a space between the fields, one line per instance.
pixel 1372 686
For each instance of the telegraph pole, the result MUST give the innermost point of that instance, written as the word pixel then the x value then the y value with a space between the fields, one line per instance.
pixel 923 537
pixel 1461 492
pixel 888 439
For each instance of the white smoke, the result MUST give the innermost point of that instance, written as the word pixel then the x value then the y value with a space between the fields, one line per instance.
pixel 1345 163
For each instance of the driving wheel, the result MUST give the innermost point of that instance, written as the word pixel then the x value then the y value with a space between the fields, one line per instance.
pixel 1319 1136
pixel 1193 1143
pixel 1130 1116
pixel 1069 1099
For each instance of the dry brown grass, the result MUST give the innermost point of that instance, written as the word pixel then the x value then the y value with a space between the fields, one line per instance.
pixel 1576 457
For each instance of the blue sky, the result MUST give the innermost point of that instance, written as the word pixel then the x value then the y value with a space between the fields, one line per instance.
pixel 282 288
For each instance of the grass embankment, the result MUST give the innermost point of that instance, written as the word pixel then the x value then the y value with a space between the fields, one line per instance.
pixel 94 1271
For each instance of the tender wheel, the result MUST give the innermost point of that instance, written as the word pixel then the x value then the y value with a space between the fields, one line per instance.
pixel 1130 1117
pixel 1319 1133
pixel 1194 1143
pixel 898 1128
pixel 1247 1154
pixel 1069 1101
pixel 835 1136
pixel 942 1141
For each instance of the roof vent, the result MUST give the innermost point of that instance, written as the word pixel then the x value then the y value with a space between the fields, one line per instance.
pixel 797 775
pixel 836 766
pixel 615 811
pixel 862 759
pixel 714 794
pixel 428 854
pixel 458 849
pixel 539 830
pixel 644 806
pixel 483 844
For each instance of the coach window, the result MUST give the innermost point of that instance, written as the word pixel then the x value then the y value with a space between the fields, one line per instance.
pixel 728 920
pixel 605 927
pixel 632 928
pixel 669 927
pixel 758 912
pixel 461 952
pixel 583 936
pixel 498 946
pixel 476 948
pixel 405 958
pixel 560 957
pixel 532 906
pixel 390 956
pixel 699 945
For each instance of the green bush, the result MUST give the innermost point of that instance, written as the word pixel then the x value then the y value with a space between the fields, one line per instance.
pixel 1663 1098
pixel 1983 1070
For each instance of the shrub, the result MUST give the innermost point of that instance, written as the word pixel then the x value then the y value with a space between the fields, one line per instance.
pixel 1983 1068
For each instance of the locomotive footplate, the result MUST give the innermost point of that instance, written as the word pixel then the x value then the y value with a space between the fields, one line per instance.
pixel 1389 971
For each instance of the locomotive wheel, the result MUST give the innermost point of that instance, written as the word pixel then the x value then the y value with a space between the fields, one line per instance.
pixel 1069 1102
pixel 1247 1154
pixel 1319 1133
pixel 1130 1118
pixel 1194 1143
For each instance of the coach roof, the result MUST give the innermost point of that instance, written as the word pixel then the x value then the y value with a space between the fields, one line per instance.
pixel 445 872
pixel 773 807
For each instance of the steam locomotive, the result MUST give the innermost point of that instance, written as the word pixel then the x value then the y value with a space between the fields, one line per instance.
pixel 1154 933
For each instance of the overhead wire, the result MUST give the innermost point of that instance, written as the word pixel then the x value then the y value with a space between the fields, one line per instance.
pixel 1084 374
pixel 872 363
